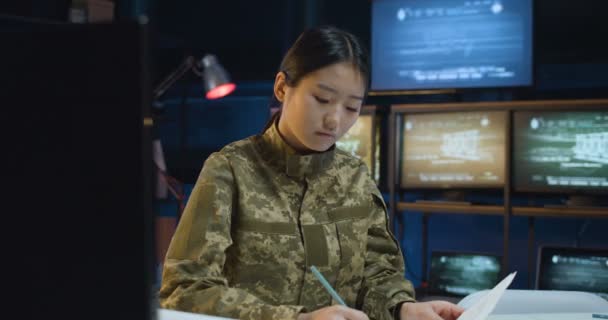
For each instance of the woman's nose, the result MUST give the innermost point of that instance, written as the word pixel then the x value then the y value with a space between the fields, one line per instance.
pixel 330 121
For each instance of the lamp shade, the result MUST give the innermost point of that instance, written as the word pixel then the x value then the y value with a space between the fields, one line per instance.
pixel 215 78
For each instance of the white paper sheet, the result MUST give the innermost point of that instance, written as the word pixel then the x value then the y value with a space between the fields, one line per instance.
pixel 486 304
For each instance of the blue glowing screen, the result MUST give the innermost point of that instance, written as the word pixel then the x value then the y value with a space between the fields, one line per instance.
pixel 435 44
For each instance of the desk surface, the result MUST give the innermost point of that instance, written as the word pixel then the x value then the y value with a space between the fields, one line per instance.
pixel 543 316
pixel 164 314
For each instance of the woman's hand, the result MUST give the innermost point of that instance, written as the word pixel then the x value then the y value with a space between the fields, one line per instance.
pixel 335 312
pixel 431 310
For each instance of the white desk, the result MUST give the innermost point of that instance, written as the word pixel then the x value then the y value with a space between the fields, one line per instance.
pixel 166 314
pixel 543 316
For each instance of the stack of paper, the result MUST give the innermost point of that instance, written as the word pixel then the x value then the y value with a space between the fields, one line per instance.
pixel 486 304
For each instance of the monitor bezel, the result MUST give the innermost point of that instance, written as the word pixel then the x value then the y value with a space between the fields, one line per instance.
pixel 444 109
pixel 526 187
pixel 548 249
pixel 373 110
pixel 465 89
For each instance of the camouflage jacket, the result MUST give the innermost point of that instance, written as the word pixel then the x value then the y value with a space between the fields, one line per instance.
pixel 260 214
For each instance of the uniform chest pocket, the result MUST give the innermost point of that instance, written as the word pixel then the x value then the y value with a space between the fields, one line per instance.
pixel 262 255
pixel 351 226
pixel 259 242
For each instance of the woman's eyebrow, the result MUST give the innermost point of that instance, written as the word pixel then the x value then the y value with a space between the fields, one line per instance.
pixel 330 89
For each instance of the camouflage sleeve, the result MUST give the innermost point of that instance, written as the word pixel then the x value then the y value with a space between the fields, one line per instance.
pixel 384 285
pixel 192 279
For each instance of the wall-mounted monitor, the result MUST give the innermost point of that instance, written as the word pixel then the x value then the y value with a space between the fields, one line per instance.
pixel 446 44
pixel 453 149
pixel 560 151
pixel 362 141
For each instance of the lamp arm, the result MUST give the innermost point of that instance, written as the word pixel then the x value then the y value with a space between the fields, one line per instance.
pixel 185 66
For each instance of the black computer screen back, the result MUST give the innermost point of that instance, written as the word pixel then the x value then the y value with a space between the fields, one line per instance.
pixel 74 102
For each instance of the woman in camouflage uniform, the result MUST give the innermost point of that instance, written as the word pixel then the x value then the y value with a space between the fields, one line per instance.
pixel 266 208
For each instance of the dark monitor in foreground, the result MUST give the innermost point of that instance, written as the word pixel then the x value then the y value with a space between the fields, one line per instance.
pixel 572 269
pixel 561 151
pixel 359 141
pixel 438 44
pixel 80 167
pixel 453 149
pixel 460 274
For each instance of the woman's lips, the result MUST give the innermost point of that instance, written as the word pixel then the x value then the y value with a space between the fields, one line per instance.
pixel 325 135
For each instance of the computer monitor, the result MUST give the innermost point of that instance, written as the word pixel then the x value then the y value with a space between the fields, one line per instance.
pixel 561 151
pixel 439 44
pixel 462 273
pixel 77 104
pixel 453 149
pixel 572 269
pixel 361 141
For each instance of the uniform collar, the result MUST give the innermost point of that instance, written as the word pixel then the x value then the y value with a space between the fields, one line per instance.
pixel 278 152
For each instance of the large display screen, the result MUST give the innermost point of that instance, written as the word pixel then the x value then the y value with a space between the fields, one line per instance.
pixel 452 149
pixel 559 150
pixel 433 44
pixel 573 269
pixel 358 142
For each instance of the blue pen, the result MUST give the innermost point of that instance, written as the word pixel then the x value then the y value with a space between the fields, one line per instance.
pixel 599 316
pixel 324 282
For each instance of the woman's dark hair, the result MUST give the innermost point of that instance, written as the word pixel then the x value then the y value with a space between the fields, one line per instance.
pixel 317 48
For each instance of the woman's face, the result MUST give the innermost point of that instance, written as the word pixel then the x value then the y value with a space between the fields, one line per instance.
pixel 321 107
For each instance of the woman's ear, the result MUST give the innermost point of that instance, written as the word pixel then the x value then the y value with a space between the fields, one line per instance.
pixel 280 85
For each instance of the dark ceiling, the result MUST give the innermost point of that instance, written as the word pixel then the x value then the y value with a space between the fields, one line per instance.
pixel 250 37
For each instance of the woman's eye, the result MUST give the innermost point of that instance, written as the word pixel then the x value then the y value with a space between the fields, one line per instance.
pixel 351 109
pixel 320 100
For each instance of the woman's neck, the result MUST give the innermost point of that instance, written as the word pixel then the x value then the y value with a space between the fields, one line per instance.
pixel 290 139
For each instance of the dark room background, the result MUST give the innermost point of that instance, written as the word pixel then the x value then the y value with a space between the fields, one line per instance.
pixel 249 39
pixel 571 62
